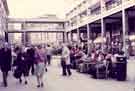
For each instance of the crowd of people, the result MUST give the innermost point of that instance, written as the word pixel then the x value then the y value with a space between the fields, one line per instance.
pixel 24 60
pixel 34 59
pixel 96 59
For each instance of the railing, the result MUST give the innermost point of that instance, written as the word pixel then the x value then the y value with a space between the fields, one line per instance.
pixel 112 4
pixel 129 0
pixel 35 29
pixel 82 18
pixel 95 9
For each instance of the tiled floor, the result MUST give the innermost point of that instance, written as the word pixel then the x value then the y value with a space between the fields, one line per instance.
pixel 77 82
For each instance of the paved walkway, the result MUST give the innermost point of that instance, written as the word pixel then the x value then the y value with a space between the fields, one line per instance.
pixel 77 82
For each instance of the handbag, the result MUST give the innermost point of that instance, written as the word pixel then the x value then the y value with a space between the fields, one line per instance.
pixel 17 73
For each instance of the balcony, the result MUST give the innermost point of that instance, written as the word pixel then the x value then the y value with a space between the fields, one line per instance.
pixel 83 15
pixel 128 3
pixel 95 9
pixel 128 0
pixel 110 4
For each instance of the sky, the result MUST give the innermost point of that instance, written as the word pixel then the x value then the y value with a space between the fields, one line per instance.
pixel 36 8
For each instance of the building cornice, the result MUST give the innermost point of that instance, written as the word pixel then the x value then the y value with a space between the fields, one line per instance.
pixel 35 20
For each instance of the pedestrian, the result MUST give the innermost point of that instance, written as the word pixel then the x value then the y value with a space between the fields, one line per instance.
pixel 65 61
pixel 21 66
pixel 30 59
pixel 5 62
pixel 40 65
pixel 49 54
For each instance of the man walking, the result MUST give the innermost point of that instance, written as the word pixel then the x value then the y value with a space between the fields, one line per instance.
pixel 65 61
pixel 49 54
pixel 5 62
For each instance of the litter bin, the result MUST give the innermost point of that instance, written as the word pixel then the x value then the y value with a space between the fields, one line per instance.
pixel 121 68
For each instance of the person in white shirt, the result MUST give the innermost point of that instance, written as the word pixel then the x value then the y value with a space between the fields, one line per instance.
pixel 49 54
pixel 65 61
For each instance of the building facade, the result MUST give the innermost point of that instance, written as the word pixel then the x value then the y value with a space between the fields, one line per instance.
pixel 42 30
pixel 4 12
pixel 106 23
pixel 109 23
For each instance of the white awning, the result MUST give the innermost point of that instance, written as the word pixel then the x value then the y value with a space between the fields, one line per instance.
pixel 131 37
pixel 100 40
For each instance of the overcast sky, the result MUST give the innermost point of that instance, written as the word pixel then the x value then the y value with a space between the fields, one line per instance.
pixel 34 8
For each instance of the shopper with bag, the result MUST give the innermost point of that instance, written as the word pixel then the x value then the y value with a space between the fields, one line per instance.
pixel 40 65
pixel 21 66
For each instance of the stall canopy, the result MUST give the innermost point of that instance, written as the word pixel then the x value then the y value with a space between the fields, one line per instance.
pixel 132 37
pixel 100 40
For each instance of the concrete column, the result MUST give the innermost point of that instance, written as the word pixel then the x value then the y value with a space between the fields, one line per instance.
pixel 102 23
pixel 88 37
pixel 88 31
pixel 103 29
pixel 47 36
pixel 63 36
pixel 41 37
pixel 6 36
pixel 23 34
pixel 68 39
pixel 23 38
pixel 78 31
pixel 71 35
pixel 27 38
pixel 57 37
pixel 65 33
pixel 78 37
pixel 124 28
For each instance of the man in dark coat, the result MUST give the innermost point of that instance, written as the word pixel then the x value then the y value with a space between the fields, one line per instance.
pixel 30 57
pixel 5 62
pixel 22 66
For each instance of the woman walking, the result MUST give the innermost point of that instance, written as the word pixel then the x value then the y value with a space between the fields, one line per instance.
pixel 40 65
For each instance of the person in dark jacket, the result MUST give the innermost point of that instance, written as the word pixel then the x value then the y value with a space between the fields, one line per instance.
pixel 21 65
pixel 5 62
pixel 30 57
